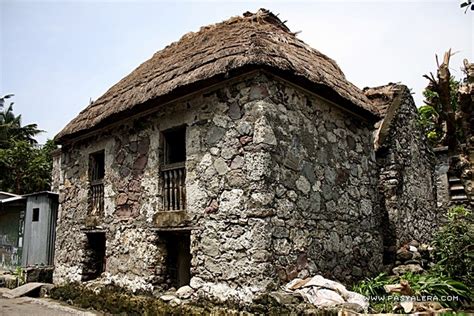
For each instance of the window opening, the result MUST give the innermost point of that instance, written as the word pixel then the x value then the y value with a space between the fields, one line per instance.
pixel 173 171
pixel 96 177
pixel 36 212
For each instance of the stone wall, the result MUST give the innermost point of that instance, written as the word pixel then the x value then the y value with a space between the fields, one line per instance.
pixel 324 178
pixel 441 176
pixel 279 182
pixel 129 248
pixel 407 185
pixel 228 237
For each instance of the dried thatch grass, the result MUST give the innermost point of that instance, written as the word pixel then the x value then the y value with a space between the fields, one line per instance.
pixel 382 97
pixel 387 99
pixel 257 40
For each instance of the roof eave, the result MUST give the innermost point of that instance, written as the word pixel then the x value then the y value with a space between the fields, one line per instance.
pixel 317 88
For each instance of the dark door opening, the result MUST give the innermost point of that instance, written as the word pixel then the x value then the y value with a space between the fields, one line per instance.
pixel 178 258
pixel 94 257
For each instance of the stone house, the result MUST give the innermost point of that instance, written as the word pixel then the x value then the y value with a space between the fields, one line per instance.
pixel 240 157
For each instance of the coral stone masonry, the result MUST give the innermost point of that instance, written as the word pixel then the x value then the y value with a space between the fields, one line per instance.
pixel 241 172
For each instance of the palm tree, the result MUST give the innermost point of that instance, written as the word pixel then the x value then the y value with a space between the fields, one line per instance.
pixel 11 128
pixel 2 100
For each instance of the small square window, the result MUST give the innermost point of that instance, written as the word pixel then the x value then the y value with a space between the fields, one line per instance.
pixel 36 215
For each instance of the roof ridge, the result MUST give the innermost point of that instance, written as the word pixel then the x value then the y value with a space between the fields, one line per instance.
pixel 258 39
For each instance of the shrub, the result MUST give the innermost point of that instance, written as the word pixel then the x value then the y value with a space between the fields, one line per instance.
pixel 427 284
pixel 374 287
pixel 452 275
pixel 454 246
pixel 431 284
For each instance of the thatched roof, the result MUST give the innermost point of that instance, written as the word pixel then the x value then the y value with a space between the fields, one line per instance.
pixel 387 99
pixel 382 97
pixel 252 41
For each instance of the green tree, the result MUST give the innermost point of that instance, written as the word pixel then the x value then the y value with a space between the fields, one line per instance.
pixel 447 112
pixel 26 167
pixel 432 115
pixel 3 129
pixel 11 128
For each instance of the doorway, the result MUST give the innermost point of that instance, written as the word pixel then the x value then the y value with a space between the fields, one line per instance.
pixel 94 256
pixel 178 258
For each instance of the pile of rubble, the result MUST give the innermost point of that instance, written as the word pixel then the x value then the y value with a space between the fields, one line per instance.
pixel 14 278
pixel 299 294
pixel 413 257
pixel 8 279
pixel 410 306
pixel 324 293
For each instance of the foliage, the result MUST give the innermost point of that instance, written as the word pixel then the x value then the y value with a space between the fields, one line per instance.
pixel 11 128
pixel 427 284
pixel 452 275
pixel 454 245
pixel 373 286
pixel 20 276
pixel 467 4
pixel 438 285
pixel 432 97
pixel 428 118
pixel 431 116
pixel 26 167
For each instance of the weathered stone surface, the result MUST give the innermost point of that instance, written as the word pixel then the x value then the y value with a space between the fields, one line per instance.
pixel 406 176
pixel 215 134
pixel 412 268
pixel 221 166
pixel 167 297
pixel 184 292
pixel 196 283
pixel 285 298
pixel 275 189
pixel 303 185
pixel 323 292
pixel 170 218
pixel 263 133
pixel 404 254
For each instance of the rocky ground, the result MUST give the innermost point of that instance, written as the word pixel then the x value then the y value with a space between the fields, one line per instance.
pixel 310 296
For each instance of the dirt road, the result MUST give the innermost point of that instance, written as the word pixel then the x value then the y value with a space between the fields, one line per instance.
pixel 26 306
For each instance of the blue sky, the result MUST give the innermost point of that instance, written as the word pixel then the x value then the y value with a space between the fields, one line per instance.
pixel 57 55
